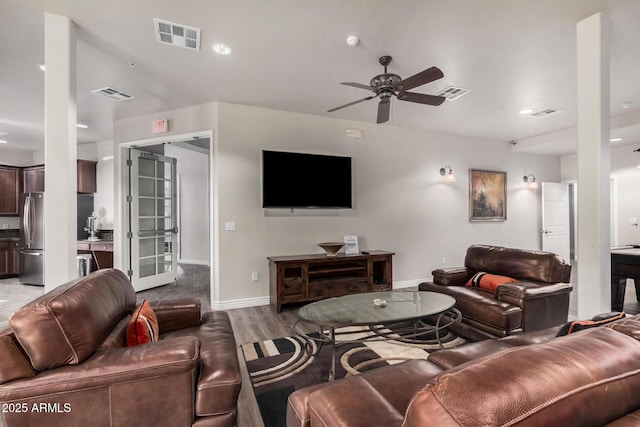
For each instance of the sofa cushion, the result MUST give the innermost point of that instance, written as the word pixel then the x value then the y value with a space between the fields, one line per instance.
pixel 143 325
pixel 542 384
pixel 488 281
pixel 521 264
pixel 66 325
pixel 452 357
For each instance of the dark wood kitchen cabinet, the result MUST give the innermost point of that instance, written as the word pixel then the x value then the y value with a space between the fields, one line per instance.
pixel 6 267
pixel 33 177
pixel 9 190
pixel 86 176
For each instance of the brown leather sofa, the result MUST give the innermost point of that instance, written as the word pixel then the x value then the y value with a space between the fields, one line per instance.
pixel 588 378
pixel 538 299
pixel 64 361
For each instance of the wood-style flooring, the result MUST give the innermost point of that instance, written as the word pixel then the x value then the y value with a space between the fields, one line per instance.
pixel 249 324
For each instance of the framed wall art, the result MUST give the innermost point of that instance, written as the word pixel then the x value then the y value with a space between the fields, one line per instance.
pixel 487 195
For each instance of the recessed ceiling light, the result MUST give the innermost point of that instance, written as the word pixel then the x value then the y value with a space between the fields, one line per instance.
pixel 105 158
pixel 221 48
pixel 352 41
pixel 526 111
pixel 2 141
pixel 42 67
pixel 615 139
pixel 81 126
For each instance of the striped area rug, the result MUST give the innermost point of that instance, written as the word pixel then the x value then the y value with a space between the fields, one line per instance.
pixel 278 367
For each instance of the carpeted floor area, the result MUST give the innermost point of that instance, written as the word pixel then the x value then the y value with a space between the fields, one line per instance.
pixel 280 366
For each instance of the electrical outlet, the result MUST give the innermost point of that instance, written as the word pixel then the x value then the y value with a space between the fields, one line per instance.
pixel 254 276
pixel 230 226
pixel 444 260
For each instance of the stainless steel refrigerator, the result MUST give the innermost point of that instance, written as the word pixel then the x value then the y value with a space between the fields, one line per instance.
pixel 32 238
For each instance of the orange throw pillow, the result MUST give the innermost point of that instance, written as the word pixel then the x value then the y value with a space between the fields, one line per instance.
pixel 488 281
pixel 143 326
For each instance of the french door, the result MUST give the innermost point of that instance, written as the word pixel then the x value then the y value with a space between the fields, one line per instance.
pixel 152 234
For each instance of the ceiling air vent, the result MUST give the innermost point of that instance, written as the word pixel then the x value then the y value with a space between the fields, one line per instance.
pixel 113 93
pixel 545 113
pixel 451 93
pixel 177 34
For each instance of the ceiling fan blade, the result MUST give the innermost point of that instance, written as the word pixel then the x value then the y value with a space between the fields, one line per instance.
pixel 358 85
pixel 423 77
pixel 421 98
pixel 352 103
pixel 383 110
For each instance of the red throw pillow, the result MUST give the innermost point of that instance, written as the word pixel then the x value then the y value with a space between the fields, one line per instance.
pixel 143 326
pixel 488 281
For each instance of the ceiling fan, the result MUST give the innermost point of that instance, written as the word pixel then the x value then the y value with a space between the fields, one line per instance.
pixel 388 84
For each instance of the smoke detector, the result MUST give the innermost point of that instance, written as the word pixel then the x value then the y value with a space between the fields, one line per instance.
pixel 177 34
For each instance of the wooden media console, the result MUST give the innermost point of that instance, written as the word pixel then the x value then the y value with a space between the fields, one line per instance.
pixel 303 278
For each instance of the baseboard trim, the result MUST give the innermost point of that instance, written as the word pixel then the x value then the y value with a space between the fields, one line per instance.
pixel 265 300
pixel 193 261
pixel 409 283
pixel 240 303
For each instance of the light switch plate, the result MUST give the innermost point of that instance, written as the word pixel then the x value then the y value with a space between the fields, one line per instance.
pixel 230 226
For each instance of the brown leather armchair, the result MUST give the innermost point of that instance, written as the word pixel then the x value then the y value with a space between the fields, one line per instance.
pixel 538 299
pixel 65 361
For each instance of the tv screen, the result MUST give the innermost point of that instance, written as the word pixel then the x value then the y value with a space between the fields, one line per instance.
pixel 296 180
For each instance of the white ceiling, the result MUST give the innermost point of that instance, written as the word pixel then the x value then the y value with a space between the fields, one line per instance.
pixel 292 55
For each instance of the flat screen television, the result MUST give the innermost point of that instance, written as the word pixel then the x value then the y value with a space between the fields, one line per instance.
pixel 297 180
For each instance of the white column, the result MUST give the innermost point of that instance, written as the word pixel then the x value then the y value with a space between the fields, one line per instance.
pixel 60 151
pixel 594 260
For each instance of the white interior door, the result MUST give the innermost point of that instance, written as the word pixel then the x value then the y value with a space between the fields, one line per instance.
pixel 555 219
pixel 152 219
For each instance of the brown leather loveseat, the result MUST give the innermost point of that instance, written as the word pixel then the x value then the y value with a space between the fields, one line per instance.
pixel 538 298
pixel 588 378
pixel 64 361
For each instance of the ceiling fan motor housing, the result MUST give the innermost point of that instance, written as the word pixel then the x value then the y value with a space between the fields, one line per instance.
pixel 385 81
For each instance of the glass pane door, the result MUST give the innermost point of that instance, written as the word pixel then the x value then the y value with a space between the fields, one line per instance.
pixel 153 230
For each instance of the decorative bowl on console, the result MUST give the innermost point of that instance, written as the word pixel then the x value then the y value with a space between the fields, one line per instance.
pixel 331 248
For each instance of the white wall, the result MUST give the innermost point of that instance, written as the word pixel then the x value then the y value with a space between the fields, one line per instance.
pixel 401 202
pixel 15 157
pixel 624 169
pixel 193 171
pixel 103 199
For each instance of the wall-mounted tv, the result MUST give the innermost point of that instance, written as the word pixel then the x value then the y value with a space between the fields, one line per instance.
pixel 298 180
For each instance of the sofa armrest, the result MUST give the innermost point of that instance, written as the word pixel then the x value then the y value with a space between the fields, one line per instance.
pixel 111 387
pixel 454 276
pixel 177 314
pixel 542 305
pixel 517 292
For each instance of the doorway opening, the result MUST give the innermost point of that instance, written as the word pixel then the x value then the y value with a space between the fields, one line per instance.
pixel 166 211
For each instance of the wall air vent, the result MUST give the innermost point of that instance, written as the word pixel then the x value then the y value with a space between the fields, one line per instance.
pixel 545 113
pixel 451 93
pixel 113 93
pixel 177 34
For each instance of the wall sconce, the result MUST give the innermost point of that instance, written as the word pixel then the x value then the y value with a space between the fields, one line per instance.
pixel 531 179
pixel 450 177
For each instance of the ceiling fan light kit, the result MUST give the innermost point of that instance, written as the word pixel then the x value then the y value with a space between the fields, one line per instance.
pixel 387 85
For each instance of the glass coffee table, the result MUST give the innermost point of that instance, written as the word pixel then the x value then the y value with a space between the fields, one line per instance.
pixel 394 315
